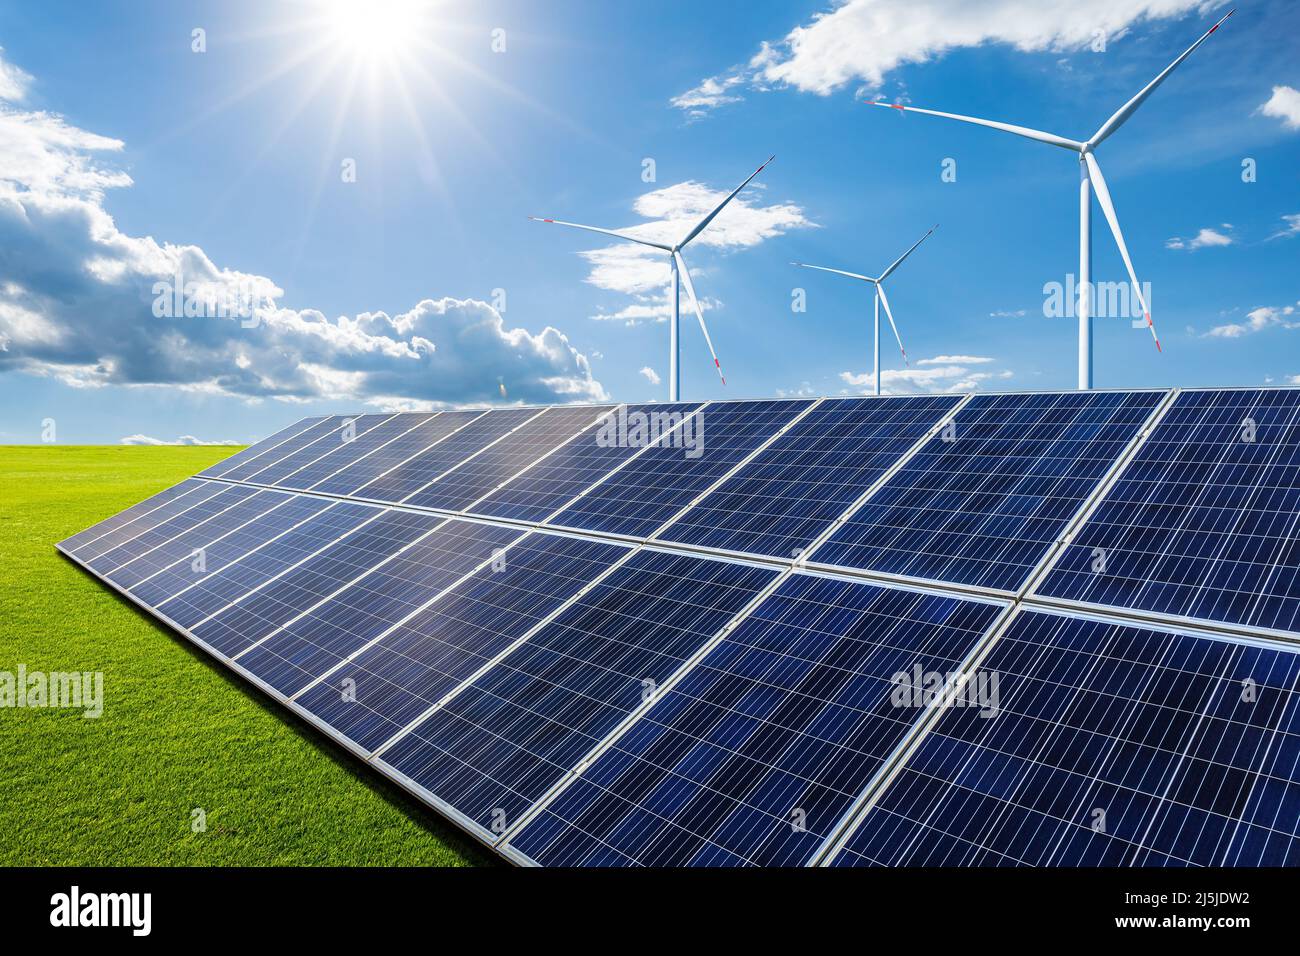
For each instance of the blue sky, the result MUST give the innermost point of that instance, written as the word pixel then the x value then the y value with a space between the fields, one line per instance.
pixel 124 153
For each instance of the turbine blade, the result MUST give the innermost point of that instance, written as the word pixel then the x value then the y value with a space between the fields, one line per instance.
pixel 1038 135
pixel 703 223
pixel 1127 110
pixel 838 272
pixel 605 232
pixel 1108 207
pixel 897 262
pixel 699 314
pixel 884 300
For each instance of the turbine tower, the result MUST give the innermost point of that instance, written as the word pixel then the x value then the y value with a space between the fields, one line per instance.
pixel 679 272
pixel 1090 179
pixel 880 297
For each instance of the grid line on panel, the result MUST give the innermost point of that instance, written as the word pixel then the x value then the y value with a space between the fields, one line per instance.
pixel 196 492
pixel 257 449
pixel 351 428
pixel 139 509
pixel 349 451
pixel 290 446
pixel 353 477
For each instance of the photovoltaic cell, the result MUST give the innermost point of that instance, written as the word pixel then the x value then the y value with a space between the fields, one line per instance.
pixel 1205 520
pixel 481 474
pixel 660 482
pixel 220 551
pixel 281 551
pixel 247 467
pixel 983 505
pixel 255 450
pixel 363 470
pixel 306 648
pixel 257 614
pixel 409 670
pixel 348 452
pixel 341 437
pixel 782 500
pixel 499 744
pixel 190 540
pixel 757 754
pixel 409 477
pixel 575 466
pixel 81 538
pixel 1112 746
pixel 193 493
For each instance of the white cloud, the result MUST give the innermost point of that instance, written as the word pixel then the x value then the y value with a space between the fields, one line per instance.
pixel 1007 314
pixel 1206 238
pixel 1257 320
pixel 138 439
pixel 650 375
pixel 14 82
pixel 942 373
pixel 864 40
pixel 1292 227
pixel 644 273
pixel 77 304
pixel 1284 104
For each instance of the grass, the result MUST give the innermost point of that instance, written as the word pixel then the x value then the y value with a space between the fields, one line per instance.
pixel 178 731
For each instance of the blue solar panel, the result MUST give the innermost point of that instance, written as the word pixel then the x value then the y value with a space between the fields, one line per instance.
pixel 222 550
pixel 575 467
pixel 400 677
pixel 278 553
pixel 195 532
pixel 1112 746
pixel 247 467
pixel 365 469
pixel 343 436
pixel 239 459
pixel 499 744
pixel 983 504
pixel 410 476
pixel 306 648
pixel 638 499
pixel 78 541
pixel 757 754
pixel 782 500
pixel 257 614
pixel 481 474
pixel 349 450
pixel 192 493
pixel 1205 520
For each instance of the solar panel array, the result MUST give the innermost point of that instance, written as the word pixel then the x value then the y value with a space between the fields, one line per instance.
pixel 1025 629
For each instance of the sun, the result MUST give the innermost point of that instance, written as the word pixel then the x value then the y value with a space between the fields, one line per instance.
pixel 373 29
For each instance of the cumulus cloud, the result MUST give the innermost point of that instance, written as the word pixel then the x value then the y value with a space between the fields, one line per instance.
pixel 88 305
pixel 644 273
pixel 1284 105
pixel 1206 238
pixel 138 439
pixel 941 373
pixel 650 375
pixel 14 82
pixel 861 41
pixel 1257 320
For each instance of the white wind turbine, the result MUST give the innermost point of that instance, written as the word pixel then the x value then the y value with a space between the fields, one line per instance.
pixel 678 265
pixel 1090 178
pixel 878 283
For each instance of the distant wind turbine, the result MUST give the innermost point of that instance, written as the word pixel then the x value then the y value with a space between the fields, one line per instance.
pixel 1090 178
pixel 880 297
pixel 679 269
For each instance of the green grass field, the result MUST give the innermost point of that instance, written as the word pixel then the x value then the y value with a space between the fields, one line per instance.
pixel 178 732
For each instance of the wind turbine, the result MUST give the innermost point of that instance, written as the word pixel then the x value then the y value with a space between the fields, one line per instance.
pixel 1090 178
pixel 880 297
pixel 678 265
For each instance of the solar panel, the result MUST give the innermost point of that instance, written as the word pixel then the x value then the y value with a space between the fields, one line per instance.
pixel 260 448
pixel 349 450
pixel 341 436
pixel 665 478
pixel 501 742
pixel 763 747
pixel 1204 523
pixel 781 501
pixel 383 689
pixel 534 495
pixel 1113 745
pixel 480 474
pixel 982 503
pixel 247 467
pixel 164 507
pixel 414 474
pixel 350 478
